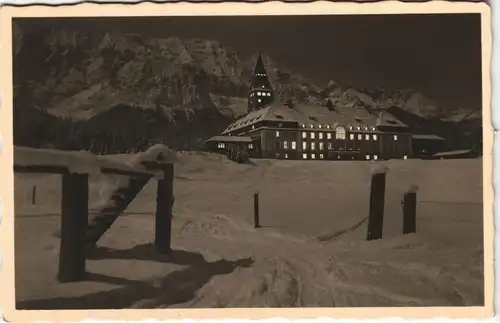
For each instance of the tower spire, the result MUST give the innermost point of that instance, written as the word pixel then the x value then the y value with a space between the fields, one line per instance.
pixel 261 93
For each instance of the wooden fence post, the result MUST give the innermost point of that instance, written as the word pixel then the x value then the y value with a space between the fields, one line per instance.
pixel 33 195
pixel 256 220
pixel 410 210
pixel 377 200
pixel 74 209
pixel 164 204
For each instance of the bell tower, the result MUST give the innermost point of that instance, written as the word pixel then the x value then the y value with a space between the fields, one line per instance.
pixel 261 93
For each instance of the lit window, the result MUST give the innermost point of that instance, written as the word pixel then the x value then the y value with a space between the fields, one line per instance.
pixel 329 145
pixel 351 136
pixel 313 145
pixel 350 127
pixel 405 157
pixel 312 135
pixel 304 145
pixel 258 93
pixel 253 127
pixel 259 100
pixel 340 133
pixel 359 128
pixel 321 156
pixel 328 135
pixel 327 126
pixel 262 86
pixel 375 137
pixel 367 157
pixel 303 125
pixel 285 144
pixel 321 146
pixel 294 145
pixel 373 128
pixel 277 134
pixel 311 126
pixel 304 156
pixel 286 156
pixel 367 137
pixel 221 145
pixel 320 126
pixel 320 135
pixel 313 156
pixel 395 137
pixel 375 157
pixel 304 135
pixel 360 136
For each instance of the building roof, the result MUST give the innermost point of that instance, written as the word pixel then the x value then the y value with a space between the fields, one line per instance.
pixel 426 137
pixel 240 139
pixel 259 78
pixel 453 153
pixel 305 114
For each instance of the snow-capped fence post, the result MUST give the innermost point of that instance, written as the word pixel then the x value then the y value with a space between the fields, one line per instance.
pixel 74 214
pixel 256 220
pixel 164 205
pixel 377 200
pixel 410 210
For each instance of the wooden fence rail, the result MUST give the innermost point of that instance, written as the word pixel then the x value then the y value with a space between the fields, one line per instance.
pixel 75 168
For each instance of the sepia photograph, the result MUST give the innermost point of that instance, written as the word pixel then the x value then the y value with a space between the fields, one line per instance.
pixel 250 161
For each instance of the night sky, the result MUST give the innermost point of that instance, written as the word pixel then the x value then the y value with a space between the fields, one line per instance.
pixel 439 55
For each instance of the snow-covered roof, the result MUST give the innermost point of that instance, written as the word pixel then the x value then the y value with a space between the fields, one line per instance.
pixel 306 114
pixel 241 139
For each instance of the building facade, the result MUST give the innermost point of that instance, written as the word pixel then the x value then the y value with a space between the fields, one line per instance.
pixel 311 132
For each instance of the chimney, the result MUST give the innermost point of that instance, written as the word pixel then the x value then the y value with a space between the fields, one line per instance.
pixel 380 118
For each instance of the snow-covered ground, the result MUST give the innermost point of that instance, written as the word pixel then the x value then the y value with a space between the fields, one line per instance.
pixel 311 250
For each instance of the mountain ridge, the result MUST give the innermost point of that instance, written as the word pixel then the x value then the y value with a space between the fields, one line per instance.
pixel 79 76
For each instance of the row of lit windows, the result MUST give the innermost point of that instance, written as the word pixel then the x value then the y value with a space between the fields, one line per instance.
pixel 312 135
pixel 293 145
pixel 260 74
pixel 305 145
pixel 321 156
pixel 261 94
pixel 321 145
pixel 366 128
pixel 338 135
pixel 327 126
pixel 313 156
pixel 223 145
pixel 313 146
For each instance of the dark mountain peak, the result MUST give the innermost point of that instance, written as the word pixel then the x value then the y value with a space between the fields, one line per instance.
pixel 87 72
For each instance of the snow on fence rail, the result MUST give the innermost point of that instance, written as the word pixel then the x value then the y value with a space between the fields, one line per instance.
pixel 78 234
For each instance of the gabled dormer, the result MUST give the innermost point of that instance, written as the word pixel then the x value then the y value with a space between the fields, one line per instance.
pixel 261 93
